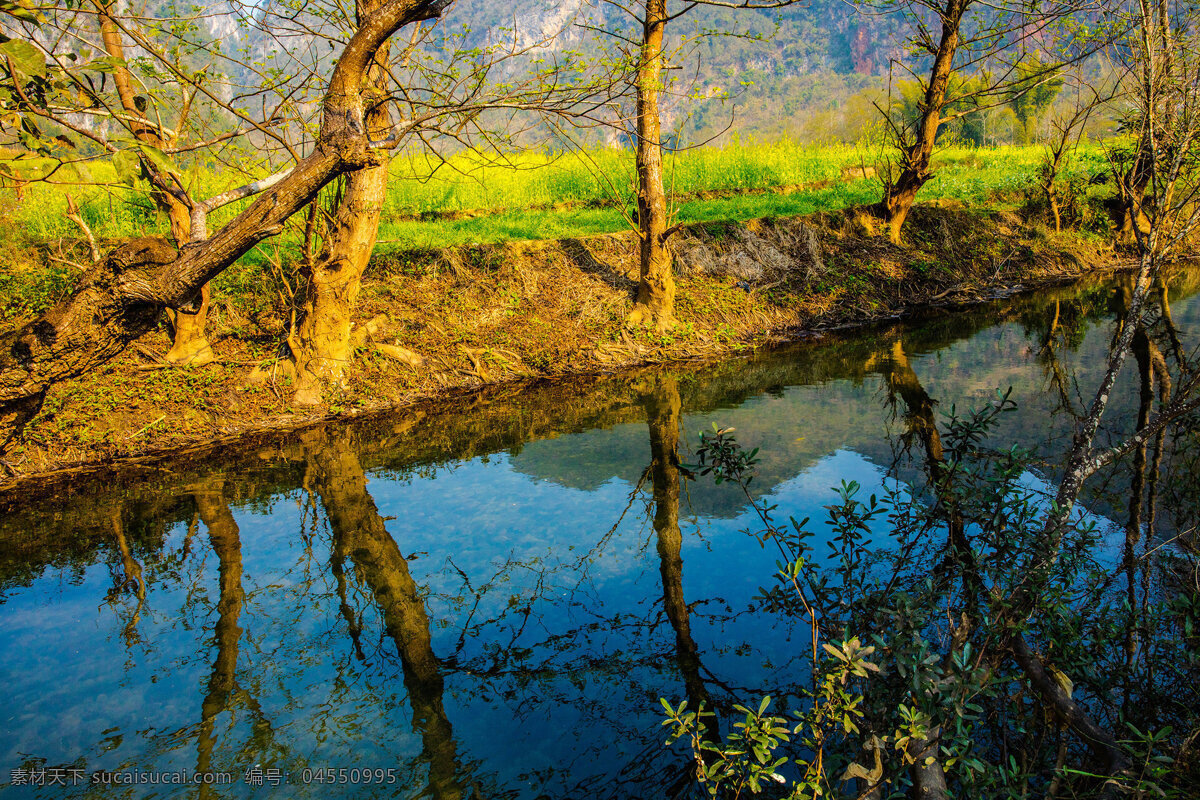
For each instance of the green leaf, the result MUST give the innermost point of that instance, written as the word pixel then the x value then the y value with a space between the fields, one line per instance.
pixel 26 59
pixel 159 159
pixel 20 12
pixel 108 64
pixel 127 167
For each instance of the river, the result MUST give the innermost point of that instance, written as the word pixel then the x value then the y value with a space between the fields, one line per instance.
pixel 487 598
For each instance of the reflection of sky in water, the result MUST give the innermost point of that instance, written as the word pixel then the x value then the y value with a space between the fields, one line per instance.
pixel 541 577
pixel 600 652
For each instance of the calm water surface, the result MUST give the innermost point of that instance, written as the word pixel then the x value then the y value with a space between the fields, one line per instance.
pixel 488 600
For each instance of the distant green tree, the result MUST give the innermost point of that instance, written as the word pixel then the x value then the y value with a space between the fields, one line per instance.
pixel 1032 94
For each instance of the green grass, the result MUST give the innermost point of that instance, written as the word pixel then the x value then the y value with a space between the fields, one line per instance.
pixel 542 196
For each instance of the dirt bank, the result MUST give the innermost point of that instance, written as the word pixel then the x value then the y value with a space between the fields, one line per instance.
pixel 442 323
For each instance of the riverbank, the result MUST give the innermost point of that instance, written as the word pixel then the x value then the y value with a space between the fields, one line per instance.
pixel 442 323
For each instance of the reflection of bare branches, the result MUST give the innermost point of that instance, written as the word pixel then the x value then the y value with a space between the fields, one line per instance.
pixel 1057 376
pixel 353 620
pixel 1164 308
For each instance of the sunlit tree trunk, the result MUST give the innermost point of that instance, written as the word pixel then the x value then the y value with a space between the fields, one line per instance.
pixel 900 194
pixel 122 297
pixel 189 344
pixel 655 303
pixel 321 342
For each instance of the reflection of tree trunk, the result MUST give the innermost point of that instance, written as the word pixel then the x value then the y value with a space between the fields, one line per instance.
pixel 131 572
pixel 1137 488
pixel 655 303
pixel 1150 364
pixel 358 531
pixel 902 381
pixel 662 412
pixel 662 405
pixel 1164 305
pixel 226 543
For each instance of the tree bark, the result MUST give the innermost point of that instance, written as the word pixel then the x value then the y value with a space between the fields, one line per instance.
pixel 899 196
pixel 189 344
pixel 929 780
pixel 321 343
pixel 655 303
pixel 124 297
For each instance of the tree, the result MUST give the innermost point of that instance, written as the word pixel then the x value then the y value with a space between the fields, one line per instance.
pixel 654 303
pixel 123 296
pixel 320 344
pixel 154 101
pixel 972 36
pixel 450 88
pixel 1032 93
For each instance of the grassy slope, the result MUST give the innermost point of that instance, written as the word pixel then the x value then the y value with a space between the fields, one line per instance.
pixel 507 277
pixel 513 311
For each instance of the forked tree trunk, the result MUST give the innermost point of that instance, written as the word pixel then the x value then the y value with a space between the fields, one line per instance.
pixel 900 195
pixel 189 344
pixel 321 342
pixel 655 303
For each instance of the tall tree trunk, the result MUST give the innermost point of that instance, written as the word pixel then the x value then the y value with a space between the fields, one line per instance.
pixel 321 342
pixel 899 196
pixel 655 304
pixel 189 344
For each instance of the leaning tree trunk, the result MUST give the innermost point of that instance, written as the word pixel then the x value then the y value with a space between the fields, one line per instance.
pixel 900 194
pixel 123 297
pixel 655 304
pixel 189 344
pixel 321 342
